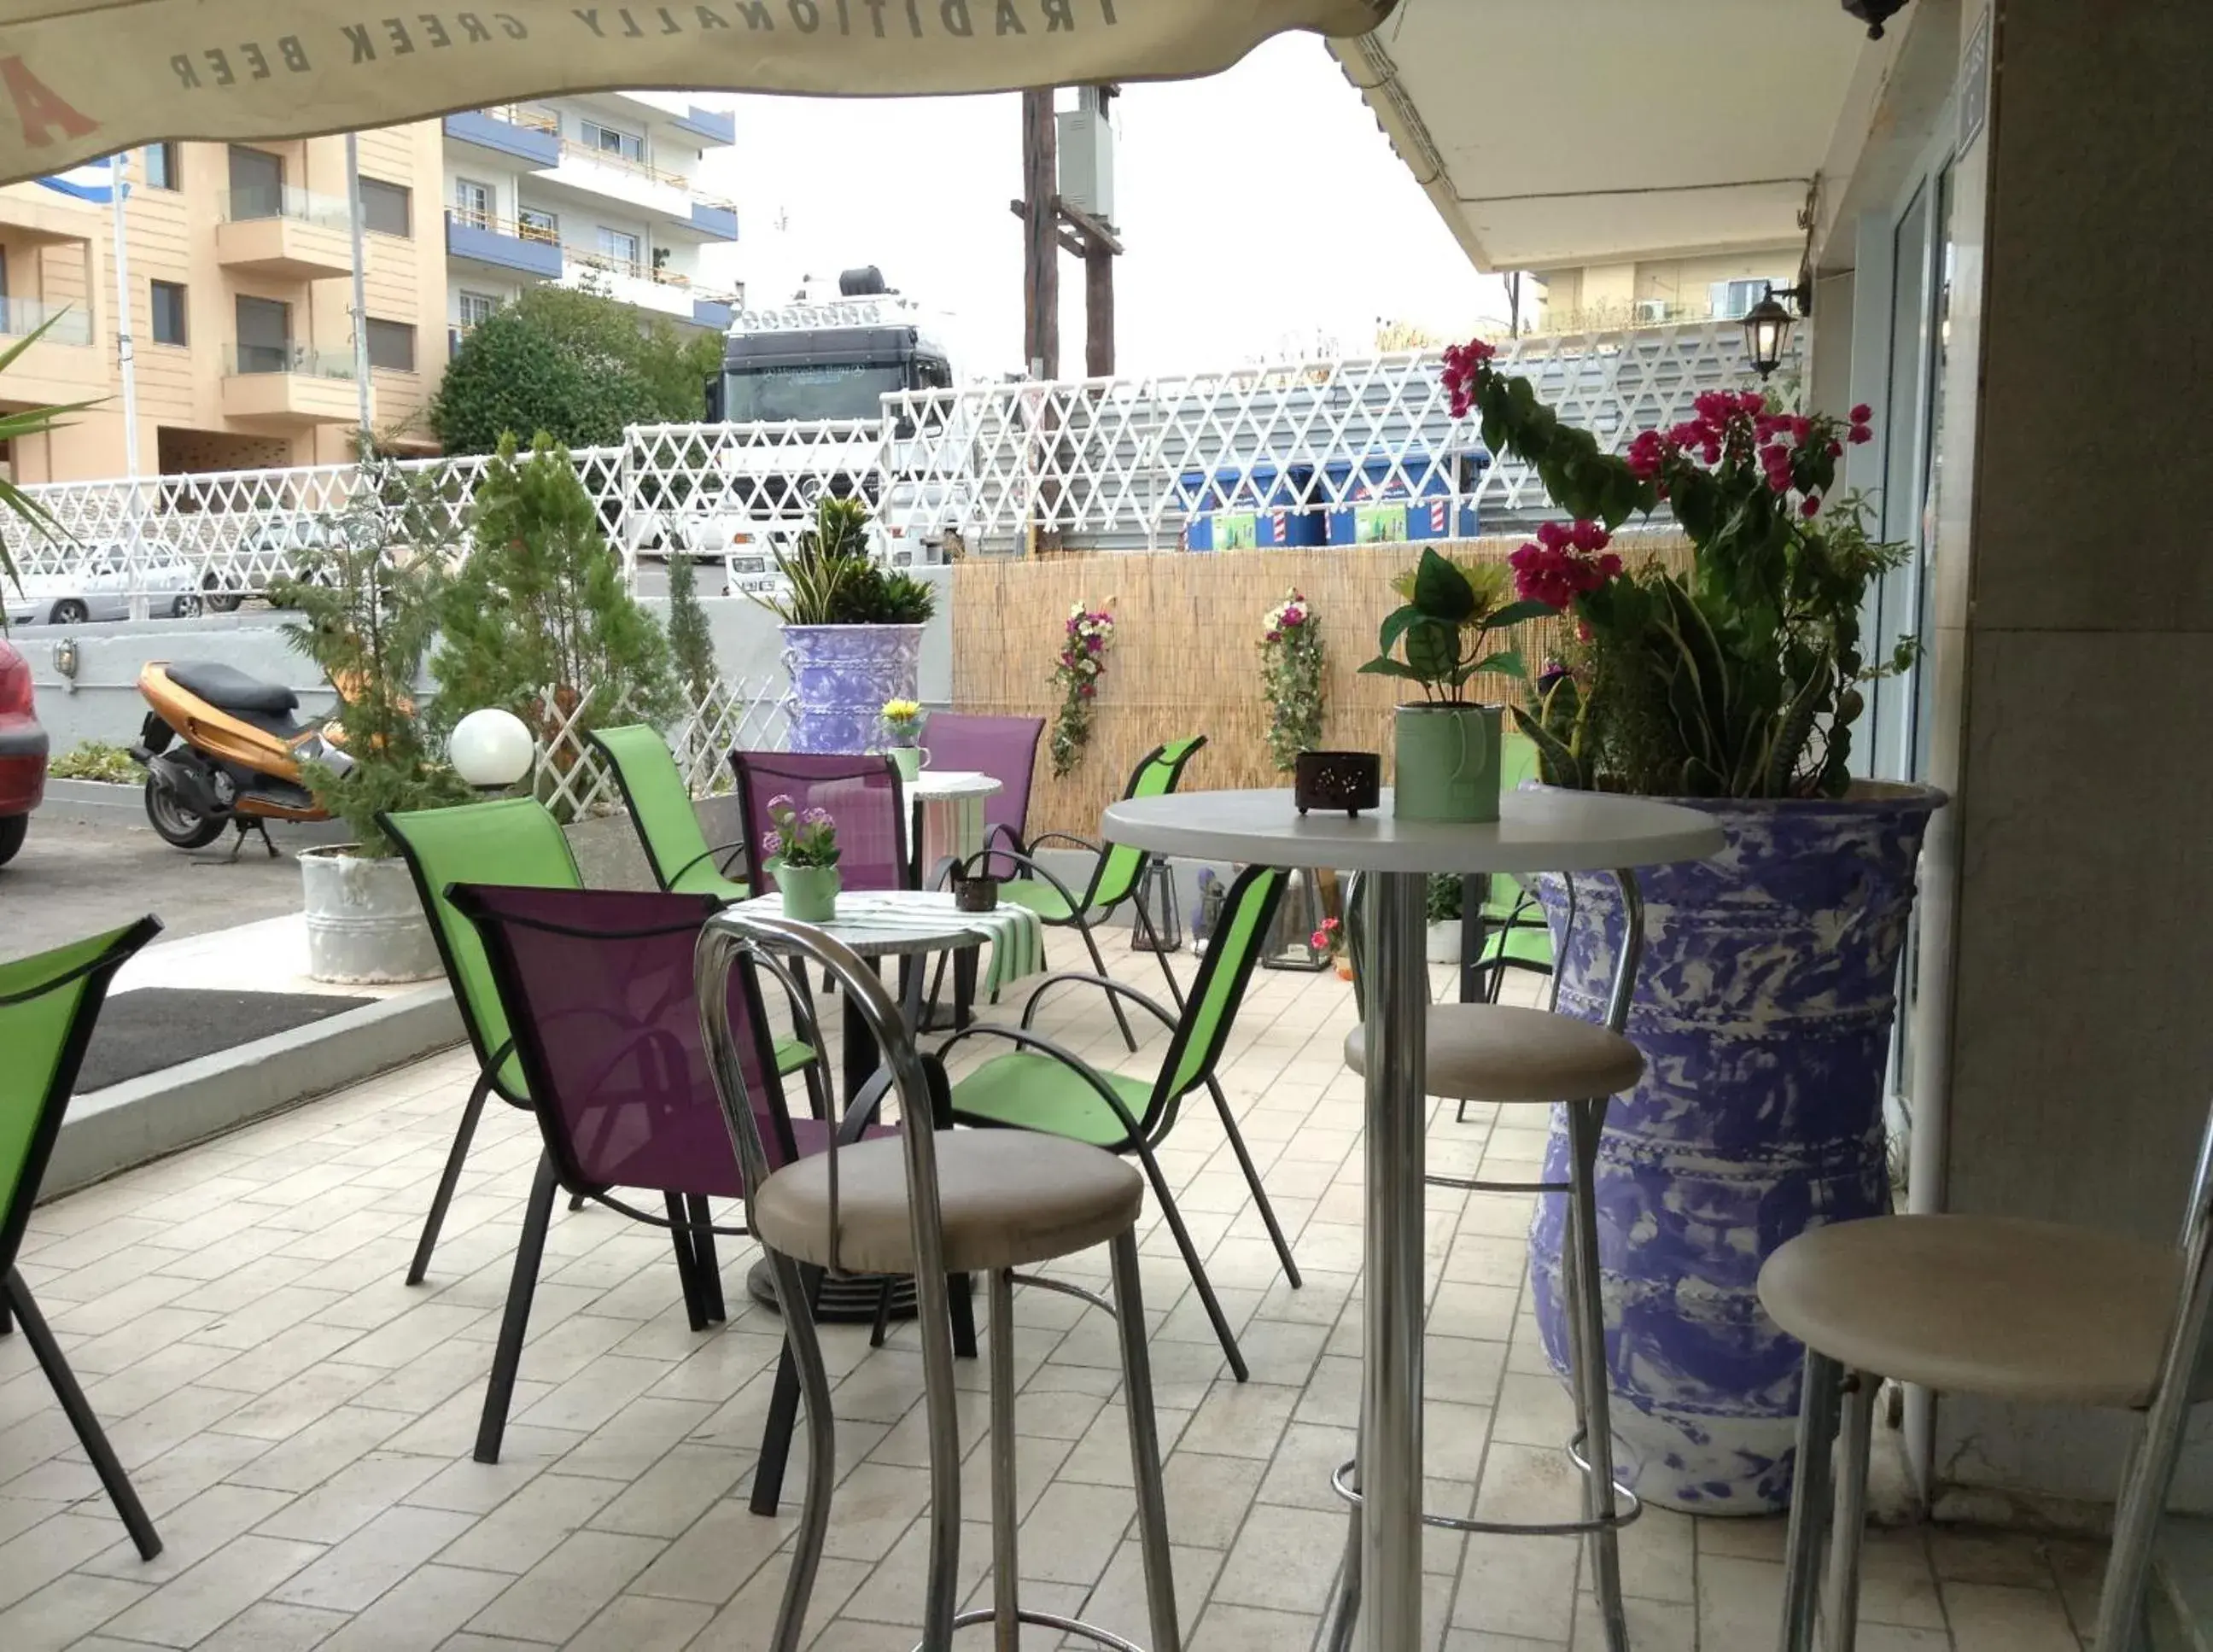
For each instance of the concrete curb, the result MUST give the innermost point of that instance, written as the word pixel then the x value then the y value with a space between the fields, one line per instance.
pixel 103 803
pixel 145 1119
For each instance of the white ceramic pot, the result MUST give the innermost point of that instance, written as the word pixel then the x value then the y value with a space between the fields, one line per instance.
pixel 1444 941
pixel 364 923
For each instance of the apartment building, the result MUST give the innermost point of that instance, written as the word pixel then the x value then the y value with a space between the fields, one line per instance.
pixel 241 274
pixel 241 265
pixel 1654 291
pixel 603 190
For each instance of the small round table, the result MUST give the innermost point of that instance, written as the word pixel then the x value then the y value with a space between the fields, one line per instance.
pixel 948 814
pixel 1537 831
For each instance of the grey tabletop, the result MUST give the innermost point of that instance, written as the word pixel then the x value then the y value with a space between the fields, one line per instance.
pixel 1536 832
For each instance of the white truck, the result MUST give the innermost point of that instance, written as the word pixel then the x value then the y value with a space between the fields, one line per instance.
pixel 797 411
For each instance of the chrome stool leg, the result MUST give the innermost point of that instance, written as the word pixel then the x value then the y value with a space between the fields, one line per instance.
pixel 822 1453
pixel 1588 1341
pixel 1608 1505
pixel 1006 1614
pixel 1854 1445
pixel 1809 1500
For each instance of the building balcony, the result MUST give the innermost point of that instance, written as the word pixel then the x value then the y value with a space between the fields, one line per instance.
pixel 286 384
pixel 284 233
pixel 663 293
pixel 501 245
pixel 508 132
pixel 608 176
pixel 716 220
pixel 61 365
pixel 678 114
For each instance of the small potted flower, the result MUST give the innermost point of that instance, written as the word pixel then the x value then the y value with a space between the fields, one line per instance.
pixel 1328 942
pixel 1447 747
pixel 1445 892
pixel 800 851
pixel 902 721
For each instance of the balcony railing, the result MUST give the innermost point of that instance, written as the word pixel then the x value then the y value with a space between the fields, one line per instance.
pixel 536 120
pixel 296 360
pixel 248 205
pixel 639 270
pixel 20 317
pixel 510 227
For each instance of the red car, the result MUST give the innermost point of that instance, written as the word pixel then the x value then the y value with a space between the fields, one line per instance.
pixel 22 752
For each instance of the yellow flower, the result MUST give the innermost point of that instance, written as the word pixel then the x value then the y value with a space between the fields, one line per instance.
pixel 902 711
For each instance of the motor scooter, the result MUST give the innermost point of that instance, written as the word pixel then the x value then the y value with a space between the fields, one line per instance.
pixel 240 758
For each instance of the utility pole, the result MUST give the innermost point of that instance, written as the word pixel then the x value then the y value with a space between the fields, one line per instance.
pixel 368 437
pixel 1041 235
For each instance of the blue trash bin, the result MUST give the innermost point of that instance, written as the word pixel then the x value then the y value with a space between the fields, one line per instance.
pixel 1233 510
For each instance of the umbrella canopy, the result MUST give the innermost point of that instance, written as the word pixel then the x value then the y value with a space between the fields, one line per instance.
pixel 87 78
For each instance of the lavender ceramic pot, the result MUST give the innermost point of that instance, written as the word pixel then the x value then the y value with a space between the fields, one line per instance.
pixel 841 675
pixel 1763 1008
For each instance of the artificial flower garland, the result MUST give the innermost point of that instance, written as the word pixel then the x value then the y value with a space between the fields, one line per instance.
pixel 1088 635
pixel 1291 677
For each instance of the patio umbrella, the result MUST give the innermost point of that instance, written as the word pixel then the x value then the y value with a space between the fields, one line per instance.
pixel 87 78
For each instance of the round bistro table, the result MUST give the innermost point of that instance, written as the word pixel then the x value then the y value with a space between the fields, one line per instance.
pixel 1537 831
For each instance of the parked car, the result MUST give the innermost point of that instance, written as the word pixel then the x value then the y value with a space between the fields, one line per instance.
pixel 99 588
pixel 277 547
pixel 22 752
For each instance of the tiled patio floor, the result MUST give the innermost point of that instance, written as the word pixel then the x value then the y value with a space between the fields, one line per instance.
pixel 299 1421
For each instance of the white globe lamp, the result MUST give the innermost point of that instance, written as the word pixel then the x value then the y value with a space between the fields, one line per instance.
pixel 491 749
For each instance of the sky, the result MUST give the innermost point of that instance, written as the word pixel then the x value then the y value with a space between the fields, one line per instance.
pixel 1263 211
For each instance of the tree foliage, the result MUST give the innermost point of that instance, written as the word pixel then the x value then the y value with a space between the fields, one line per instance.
pixel 539 617
pixel 574 364
pixel 368 602
pixel 691 643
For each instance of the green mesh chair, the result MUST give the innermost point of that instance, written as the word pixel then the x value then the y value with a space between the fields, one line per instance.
pixel 48 1007
pixel 660 805
pixel 1116 873
pixel 1042 1086
pixel 514 842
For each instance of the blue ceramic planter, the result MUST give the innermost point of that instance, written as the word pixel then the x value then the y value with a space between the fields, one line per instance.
pixel 1763 1008
pixel 841 675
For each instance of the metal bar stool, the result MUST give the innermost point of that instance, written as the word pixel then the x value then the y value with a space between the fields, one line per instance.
pixel 1506 1054
pixel 922 1203
pixel 2029 1312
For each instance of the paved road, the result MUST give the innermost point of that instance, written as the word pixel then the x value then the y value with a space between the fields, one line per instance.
pixel 73 879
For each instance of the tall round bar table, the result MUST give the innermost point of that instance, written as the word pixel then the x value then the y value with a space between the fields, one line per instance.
pixel 1537 831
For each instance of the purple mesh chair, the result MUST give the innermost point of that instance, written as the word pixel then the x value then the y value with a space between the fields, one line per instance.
pixel 598 989
pixel 1006 749
pixel 862 794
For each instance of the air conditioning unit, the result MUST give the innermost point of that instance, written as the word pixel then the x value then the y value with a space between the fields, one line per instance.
pixel 1651 311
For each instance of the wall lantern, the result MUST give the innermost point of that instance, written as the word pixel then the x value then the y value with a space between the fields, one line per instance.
pixel 1767 327
pixel 1874 13
pixel 65 659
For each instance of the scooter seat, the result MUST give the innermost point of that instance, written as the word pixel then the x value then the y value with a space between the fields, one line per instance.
pixel 229 689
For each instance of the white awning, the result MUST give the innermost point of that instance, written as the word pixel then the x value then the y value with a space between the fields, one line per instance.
pixel 1572 131
pixel 86 77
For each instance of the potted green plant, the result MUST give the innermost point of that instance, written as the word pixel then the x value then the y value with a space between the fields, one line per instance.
pixel 1446 747
pixel 852 630
pixel 903 721
pixel 1764 1002
pixel 801 851
pixel 367 602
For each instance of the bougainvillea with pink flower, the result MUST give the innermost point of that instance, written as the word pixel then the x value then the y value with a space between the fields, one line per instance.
pixel 1085 638
pixel 1740 678
pixel 1292 677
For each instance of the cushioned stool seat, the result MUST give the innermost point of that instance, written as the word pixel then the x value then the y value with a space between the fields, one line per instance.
pixel 2017 1310
pixel 1503 1052
pixel 1010 1199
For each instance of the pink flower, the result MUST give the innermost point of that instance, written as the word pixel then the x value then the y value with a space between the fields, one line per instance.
pixel 1836 449
pixel 1464 365
pixel 1562 562
pixel 1858 433
pixel 1811 505
pixel 1294 617
pixel 1647 454
pixel 1861 414
pixel 1086 690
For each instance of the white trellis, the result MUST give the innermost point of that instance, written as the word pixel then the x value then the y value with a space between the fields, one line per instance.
pixel 1110 464
pixel 572 779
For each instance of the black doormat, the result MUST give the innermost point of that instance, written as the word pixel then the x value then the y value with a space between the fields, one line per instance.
pixel 152 1027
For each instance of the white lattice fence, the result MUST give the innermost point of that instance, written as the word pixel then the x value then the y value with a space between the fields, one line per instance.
pixel 1107 463
pixel 572 779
